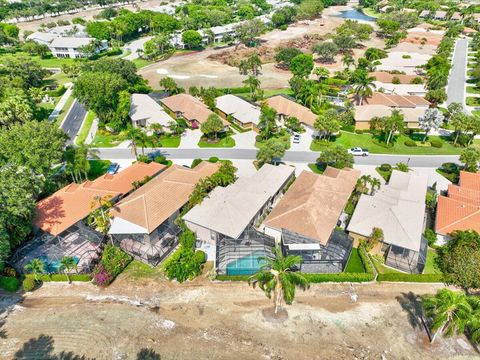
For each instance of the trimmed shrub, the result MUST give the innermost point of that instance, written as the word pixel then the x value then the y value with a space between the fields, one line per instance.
pixel 60 277
pixel 28 284
pixel 436 143
pixel 195 162
pixel 410 143
pixel 358 131
pixel 395 80
pixel 422 278
pixel 213 159
pixel 258 138
pixel 161 160
pixel 9 283
pixel 431 237
pixel 200 257
pixel 385 167
pixel 57 92
pixel 450 167
pixel 313 278
pixel 416 81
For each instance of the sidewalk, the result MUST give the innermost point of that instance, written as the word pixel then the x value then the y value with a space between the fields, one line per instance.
pixel 58 108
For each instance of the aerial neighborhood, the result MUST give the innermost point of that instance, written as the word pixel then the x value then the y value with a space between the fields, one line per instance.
pixel 226 179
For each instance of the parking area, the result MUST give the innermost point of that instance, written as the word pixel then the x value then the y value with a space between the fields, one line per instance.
pixel 304 141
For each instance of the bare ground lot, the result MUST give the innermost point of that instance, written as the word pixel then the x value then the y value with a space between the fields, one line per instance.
pixel 198 69
pixel 204 320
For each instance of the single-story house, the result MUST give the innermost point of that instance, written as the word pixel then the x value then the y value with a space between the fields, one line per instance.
pixel 365 113
pixel 388 78
pixel 401 89
pixel 42 38
pixel 60 216
pixel 392 100
pixel 424 14
pixel 398 208
pixel 242 113
pixel 71 47
pixel 189 108
pixel 305 219
pixel 289 108
pixel 440 15
pixel 408 62
pixel 225 221
pixel 460 209
pixel 143 223
pixel 456 16
pixel 145 111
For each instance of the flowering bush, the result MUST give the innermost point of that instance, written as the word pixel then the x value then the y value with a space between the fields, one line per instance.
pixel 101 276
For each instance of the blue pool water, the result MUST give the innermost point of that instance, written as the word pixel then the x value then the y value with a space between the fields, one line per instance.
pixel 53 266
pixel 246 265
pixel 355 15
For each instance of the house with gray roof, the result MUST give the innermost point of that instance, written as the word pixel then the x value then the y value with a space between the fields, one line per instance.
pixel 145 111
pixel 398 208
pixel 241 112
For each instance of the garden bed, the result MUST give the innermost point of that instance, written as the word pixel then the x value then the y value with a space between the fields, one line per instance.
pixel 282 136
pixel 225 141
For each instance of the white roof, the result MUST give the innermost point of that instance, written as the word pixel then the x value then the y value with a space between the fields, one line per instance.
pixel 122 226
pixel 229 210
pixel 401 89
pixel 41 37
pixel 144 108
pixel 240 109
pixel 397 208
pixel 71 42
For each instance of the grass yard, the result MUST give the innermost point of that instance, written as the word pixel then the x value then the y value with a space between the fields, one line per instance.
pixel 430 267
pixel 473 90
pixel 268 93
pixel 46 63
pixel 225 141
pixel 104 138
pixel 316 168
pixel 370 12
pixel 82 134
pixel 354 264
pixel 472 101
pixel 60 78
pixel 98 168
pixel 170 141
pixel 238 128
pixel 382 269
pixel 138 270
pixel 385 174
pixel 282 136
pixel 141 63
pixel 348 140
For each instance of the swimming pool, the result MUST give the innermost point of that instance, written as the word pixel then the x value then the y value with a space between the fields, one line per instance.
pixel 246 265
pixel 53 266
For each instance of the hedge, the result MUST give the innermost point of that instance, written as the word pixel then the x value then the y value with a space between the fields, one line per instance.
pixel 313 278
pixel 60 277
pixel 9 283
pixel 421 278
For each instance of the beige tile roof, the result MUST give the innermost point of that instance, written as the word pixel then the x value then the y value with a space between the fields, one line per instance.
pixel 152 204
pixel 392 100
pixel 287 107
pixel 368 112
pixel 190 107
pixel 73 203
pixel 313 203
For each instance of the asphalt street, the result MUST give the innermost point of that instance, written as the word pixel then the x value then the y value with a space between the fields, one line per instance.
pixel 73 121
pixel 458 74
pixel 292 156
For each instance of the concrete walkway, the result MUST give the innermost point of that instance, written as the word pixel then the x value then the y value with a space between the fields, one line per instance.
pixel 61 103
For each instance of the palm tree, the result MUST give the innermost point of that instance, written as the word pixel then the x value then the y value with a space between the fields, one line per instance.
pixel 35 266
pixel 322 73
pixel 364 86
pixel 66 265
pixel 277 276
pixel 253 83
pixel 449 311
pixel 374 185
pixel 134 134
pixel 348 61
pixel 474 320
pixel 362 184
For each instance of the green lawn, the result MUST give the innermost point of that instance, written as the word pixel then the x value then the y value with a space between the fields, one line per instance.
pixel 473 90
pixel 268 93
pixel 98 168
pixel 354 264
pixel 370 12
pixel 238 128
pixel 430 267
pixel 282 136
pixel 60 78
pixel 82 134
pixel 141 63
pixel 170 141
pixel 348 140
pixel 316 168
pixel 225 141
pixel 138 270
pixel 104 138
pixel 382 269
pixel 47 63
pixel 472 101
pixel 64 110
pixel 385 174
pixel 450 176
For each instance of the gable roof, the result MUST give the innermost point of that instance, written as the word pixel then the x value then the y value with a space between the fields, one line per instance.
pixel 73 203
pixel 368 112
pixel 460 210
pixel 70 42
pixel 392 100
pixel 240 109
pixel 313 203
pixel 144 108
pixel 287 107
pixel 397 208
pixel 189 106
pixel 229 210
pixel 153 203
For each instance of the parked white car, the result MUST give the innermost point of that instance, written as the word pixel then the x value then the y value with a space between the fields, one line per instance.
pixel 357 151
pixel 296 139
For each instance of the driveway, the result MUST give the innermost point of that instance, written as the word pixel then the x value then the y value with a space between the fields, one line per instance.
pixel 190 139
pixel 245 140
pixel 305 141
pixel 134 46
pixel 458 74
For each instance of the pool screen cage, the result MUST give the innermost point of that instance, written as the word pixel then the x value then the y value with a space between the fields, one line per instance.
pixel 250 245
pixel 150 248
pixel 79 241
pixel 329 258
pixel 407 260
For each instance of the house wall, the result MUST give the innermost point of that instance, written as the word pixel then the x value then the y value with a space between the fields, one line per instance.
pixel 203 234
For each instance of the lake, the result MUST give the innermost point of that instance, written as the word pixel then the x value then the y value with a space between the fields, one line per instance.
pixel 354 14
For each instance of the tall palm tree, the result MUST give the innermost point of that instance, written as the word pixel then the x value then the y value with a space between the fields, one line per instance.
pixel 253 83
pixel 277 277
pixel 348 61
pixel 449 311
pixel 474 321
pixel 66 265
pixel 375 184
pixel 364 86
pixel 35 266
pixel 322 73
pixel 134 134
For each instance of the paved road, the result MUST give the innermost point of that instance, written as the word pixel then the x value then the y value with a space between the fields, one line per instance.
pixel 73 121
pixel 293 156
pixel 458 74
pixel 134 46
